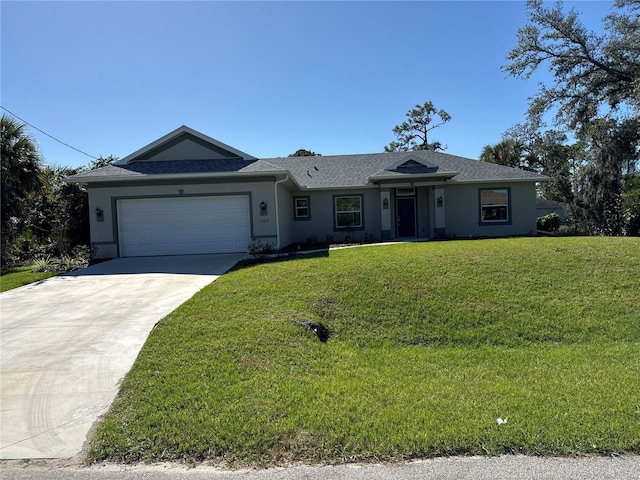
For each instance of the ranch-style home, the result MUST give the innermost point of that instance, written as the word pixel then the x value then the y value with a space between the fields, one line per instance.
pixel 187 193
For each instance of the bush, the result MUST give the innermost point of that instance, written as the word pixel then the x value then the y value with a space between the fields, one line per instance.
pixel 631 213
pixel 44 264
pixel 79 258
pixel 549 223
pixel 257 247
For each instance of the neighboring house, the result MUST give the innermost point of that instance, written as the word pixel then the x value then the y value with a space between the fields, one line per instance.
pixel 545 207
pixel 187 193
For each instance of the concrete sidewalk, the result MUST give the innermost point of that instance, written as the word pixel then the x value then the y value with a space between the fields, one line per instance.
pixel 67 342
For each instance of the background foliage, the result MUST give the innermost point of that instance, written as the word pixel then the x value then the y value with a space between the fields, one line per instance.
pixel 592 151
pixel 42 216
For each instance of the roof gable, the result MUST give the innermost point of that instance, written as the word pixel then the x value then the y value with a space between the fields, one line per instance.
pixel 185 143
pixel 411 163
pixel 187 153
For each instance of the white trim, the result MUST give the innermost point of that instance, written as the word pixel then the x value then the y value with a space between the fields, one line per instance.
pixel 275 191
pixel 296 208
pixel 337 212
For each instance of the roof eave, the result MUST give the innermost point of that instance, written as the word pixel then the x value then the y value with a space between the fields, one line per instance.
pixel 175 133
pixel 339 187
pixel 504 180
pixel 409 176
pixel 171 176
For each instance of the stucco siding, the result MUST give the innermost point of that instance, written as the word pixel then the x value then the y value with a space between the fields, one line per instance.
pixel 284 215
pixel 322 216
pixel 104 231
pixel 186 147
pixel 184 165
pixel 462 211
pixel 423 207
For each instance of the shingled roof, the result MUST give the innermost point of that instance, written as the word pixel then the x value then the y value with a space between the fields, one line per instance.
pixel 365 169
pixel 322 172
pixel 155 161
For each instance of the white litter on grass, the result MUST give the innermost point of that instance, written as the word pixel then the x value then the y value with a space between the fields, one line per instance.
pixel 501 421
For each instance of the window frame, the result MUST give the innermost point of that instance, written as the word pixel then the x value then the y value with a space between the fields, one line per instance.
pixel 336 212
pixel 507 206
pixel 298 217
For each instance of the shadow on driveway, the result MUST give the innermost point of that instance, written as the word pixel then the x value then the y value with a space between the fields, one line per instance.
pixel 214 265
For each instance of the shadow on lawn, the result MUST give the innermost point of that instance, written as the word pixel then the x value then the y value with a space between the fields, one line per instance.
pixel 282 256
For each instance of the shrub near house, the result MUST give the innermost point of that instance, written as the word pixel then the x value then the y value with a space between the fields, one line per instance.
pixel 188 193
pixel 549 223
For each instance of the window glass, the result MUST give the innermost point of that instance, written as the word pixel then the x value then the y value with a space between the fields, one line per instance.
pixel 494 205
pixel 302 207
pixel 348 212
pixel 405 191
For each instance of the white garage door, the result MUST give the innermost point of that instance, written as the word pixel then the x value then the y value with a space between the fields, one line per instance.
pixel 179 226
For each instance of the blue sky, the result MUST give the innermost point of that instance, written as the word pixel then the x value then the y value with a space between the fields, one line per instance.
pixel 265 77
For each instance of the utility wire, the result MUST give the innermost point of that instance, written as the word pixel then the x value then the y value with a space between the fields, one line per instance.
pixel 45 133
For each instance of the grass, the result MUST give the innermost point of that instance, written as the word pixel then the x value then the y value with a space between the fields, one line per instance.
pixel 19 276
pixel 430 344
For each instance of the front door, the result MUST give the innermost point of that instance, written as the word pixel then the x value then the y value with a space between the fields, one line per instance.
pixel 406 217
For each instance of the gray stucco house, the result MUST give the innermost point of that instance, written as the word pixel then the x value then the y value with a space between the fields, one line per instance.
pixel 187 193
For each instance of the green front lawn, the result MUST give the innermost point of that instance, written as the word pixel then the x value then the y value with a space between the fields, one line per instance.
pixel 431 344
pixel 19 276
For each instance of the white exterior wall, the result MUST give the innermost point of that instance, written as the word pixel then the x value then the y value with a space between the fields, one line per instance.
pixel 104 234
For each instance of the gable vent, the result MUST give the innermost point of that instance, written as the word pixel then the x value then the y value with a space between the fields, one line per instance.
pixel 410 164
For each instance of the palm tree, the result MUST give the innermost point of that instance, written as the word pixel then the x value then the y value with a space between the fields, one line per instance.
pixel 21 175
pixel 507 152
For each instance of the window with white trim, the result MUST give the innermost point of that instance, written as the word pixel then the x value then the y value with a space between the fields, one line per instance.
pixel 301 208
pixel 348 211
pixel 494 205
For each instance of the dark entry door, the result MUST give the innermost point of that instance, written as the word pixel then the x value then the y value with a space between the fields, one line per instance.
pixel 406 216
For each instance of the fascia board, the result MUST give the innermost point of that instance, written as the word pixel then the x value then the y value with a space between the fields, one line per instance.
pixel 409 177
pixel 341 187
pixel 172 176
pixel 503 180
pixel 175 133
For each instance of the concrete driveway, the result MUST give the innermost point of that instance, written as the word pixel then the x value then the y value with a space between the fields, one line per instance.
pixel 67 342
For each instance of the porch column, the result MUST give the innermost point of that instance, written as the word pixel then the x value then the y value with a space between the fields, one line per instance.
pixel 439 230
pixel 385 214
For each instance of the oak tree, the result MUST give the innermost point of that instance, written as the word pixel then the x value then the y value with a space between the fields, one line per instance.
pixel 594 96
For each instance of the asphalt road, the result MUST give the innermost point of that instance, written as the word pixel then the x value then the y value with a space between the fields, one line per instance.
pixel 458 468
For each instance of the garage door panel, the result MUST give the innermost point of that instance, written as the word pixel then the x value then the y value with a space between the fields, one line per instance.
pixel 173 226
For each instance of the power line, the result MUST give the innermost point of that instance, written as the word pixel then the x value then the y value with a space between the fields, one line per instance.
pixel 45 133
